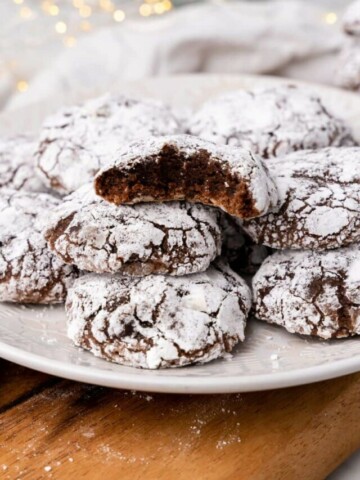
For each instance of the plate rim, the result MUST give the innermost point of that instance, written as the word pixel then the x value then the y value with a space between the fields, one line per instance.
pixel 181 385
pixel 167 383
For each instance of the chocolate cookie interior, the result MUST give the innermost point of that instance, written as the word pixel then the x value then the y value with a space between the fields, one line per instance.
pixel 173 175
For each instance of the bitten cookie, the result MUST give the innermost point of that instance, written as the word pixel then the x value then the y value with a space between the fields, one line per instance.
pixel 77 141
pixel 17 164
pixel 312 293
pixel 351 19
pixel 29 272
pixel 182 167
pixel 159 321
pixel 242 254
pixel 320 201
pixel 173 238
pixel 269 122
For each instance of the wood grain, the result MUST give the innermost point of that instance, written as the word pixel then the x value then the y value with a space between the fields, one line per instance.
pixel 18 383
pixel 82 431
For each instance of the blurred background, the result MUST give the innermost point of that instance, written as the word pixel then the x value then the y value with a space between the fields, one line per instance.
pixel 62 47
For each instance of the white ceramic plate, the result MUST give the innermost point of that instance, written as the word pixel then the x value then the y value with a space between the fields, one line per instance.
pixel 269 358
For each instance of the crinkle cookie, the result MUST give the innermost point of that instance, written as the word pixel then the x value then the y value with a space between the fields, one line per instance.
pixel 320 201
pixel 312 293
pixel 270 122
pixel 351 19
pixel 182 167
pixel 29 272
pixel 243 255
pixel 17 164
pixel 159 321
pixel 173 238
pixel 77 141
pixel 348 71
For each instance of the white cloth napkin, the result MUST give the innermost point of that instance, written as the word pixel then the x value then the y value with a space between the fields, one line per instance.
pixel 285 36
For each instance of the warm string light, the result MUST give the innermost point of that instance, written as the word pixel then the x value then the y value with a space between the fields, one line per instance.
pixel 85 26
pixel 85 9
pixel 158 7
pixel 60 27
pixel 22 86
pixel 145 10
pixel 119 16
pixel 54 10
pixel 50 8
pixel 107 5
pixel 25 12
pixel 69 41
pixel 330 18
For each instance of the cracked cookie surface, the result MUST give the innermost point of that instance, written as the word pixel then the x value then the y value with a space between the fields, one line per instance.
pixel 174 238
pixel 29 271
pixel 17 164
pixel 270 122
pixel 159 321
pixel 77 141
pixel 312 293
pixel 319 201
pixel 182 167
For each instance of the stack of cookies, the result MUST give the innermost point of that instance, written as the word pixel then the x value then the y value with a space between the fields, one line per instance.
pixel 151 229
pixel 348 74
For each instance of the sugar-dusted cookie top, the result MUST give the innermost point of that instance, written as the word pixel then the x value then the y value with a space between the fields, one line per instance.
pixel 312 293
pixel 183 167
pixel 159 321
pixel 29 271
pixel 174 238
pixel 319 201
pixel 17 164
pixel 269 121
pixel 77 141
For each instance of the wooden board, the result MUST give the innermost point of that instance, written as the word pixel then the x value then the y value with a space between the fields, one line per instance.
pixel 52 428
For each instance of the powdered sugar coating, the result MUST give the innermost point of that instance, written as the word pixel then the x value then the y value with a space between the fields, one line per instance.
pixel 29 272
pixel 348 71
pixel 244 170
pixel 173 238
pixel 320 201
pixel 159 321
pixel 77 141
pixel 269 121
pixel 351 19
pixel 312 293
pixel 17 164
